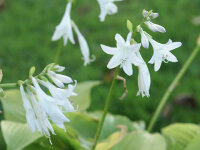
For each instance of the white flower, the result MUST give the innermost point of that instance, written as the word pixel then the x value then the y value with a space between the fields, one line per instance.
pixel 107 7
pixel 50 106
pixel 154 27
pixel 83 45
pixel 124 54
pixel 30 115
pixel 59 79
pixel 64 29
pixel 42 118
pixel 62 95
pixel 144 37
pixel 162 52
pixel 144 79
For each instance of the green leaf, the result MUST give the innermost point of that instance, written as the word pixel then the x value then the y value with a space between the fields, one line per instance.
pixel 194 144
pixel 17 135
pixel 83 90
pixel 141 141
pixel 84 124
pixel 112 121
pixel 13 106
pixel 181 134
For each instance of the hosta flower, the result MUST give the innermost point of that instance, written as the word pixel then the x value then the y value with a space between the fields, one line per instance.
pixel 41 108
pixel 124 54
pixel 107 7
pixel 155 27
pixel 64 29
pixel 162 52
pixel 144 79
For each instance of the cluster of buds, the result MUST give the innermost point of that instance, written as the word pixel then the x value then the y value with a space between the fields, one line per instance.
pixel 46 97
pixel 127 52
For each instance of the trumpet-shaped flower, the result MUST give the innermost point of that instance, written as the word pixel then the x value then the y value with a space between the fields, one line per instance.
pixel 144 79
pixel 107 7
pixel 83 45
pixel 162 52
pixel 64 29
pixel 124 54
pixel 30 115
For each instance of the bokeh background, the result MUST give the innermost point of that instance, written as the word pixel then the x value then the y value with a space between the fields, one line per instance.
pixel 26 28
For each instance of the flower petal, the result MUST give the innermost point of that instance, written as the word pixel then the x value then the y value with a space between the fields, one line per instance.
pixel 114 61
pixel 109 50
pixel 127 67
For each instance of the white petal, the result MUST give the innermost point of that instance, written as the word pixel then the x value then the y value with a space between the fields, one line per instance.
pixel 171 57
pixel 83 45
pixel 120 41
pixel 114 61
pixel 109 50
pixel 127 67
pixel 157 65
pixel 144 39
pixel 173 45
pixel 128 39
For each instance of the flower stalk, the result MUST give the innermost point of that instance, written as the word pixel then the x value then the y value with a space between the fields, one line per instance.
pixel 108 99
pixel 172 87
pixel 8 85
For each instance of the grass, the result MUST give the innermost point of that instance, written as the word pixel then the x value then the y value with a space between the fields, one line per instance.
pixel 26 28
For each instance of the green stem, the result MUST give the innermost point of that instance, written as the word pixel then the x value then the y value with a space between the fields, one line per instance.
pixel 172 87
pixel 108 99
pixel 8 85
pixel 58 51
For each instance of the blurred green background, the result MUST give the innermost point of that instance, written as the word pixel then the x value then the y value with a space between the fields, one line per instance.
pixel 26 28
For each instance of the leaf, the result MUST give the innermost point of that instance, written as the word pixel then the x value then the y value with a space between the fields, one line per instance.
pixel 83 90
pixel 13 107
pixel 194 144
pixel 112 140
pixel 112 121
pixel 141 141
pixel 17 135
pixel 84 124
pixel 181 134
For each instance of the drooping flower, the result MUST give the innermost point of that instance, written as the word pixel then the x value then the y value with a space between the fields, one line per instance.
pixel 64 29
pixel 124 54
pixel 83 45
pixel 144 79
pixel 41 108
pixel 107 7
pixel 162 52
